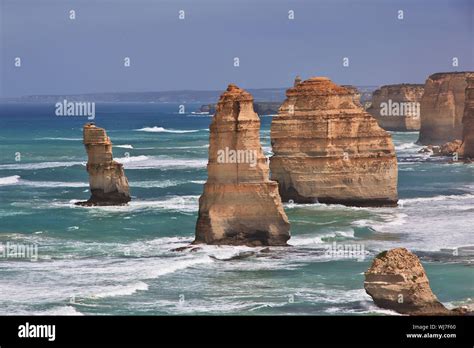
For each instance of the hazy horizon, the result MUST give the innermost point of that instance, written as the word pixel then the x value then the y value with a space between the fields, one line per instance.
pixel 86 55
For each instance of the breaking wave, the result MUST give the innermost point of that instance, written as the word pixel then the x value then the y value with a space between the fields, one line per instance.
pixel 156 129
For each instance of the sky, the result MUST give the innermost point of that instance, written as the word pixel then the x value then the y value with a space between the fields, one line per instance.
pixel 87 54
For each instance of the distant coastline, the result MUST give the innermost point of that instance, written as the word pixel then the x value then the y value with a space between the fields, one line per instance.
pixel 179 96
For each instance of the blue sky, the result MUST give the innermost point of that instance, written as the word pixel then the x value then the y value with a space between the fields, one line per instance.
pixel 86 55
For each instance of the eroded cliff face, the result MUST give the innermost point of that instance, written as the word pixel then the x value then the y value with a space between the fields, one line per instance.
pixel 397 107
pixel 327 149
pixel 442 108
pixel 467 147
pixel 240 205
pixel 396 280
pixel 107 180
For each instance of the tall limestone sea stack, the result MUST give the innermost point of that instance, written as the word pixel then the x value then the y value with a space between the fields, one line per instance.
pixel 397 107
pixel 240 205
pixel 327 149
pixel 442 108
pixel 467 147
pixel 107 180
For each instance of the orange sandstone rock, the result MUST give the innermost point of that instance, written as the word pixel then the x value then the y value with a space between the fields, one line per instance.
pixel 442 108
pixel 327 149
pixel 396 280
pixel 107 180
pixel 397 107
pixel 467 147
pixel 240 205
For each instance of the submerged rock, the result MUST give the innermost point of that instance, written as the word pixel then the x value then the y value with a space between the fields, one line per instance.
pixel 448 149
pixel 442 108
pixel 240 205
pixel 107 180
pixel 397 107
pixel 327 149
pixel 396 280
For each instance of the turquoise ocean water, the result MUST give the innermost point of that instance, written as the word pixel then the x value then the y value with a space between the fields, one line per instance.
pixel 118 260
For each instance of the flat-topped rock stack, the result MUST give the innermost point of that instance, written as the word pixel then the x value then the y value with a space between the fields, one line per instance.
pixel 467 147
pixel 107 180
pixel 397 107
pixel 240 205
pixel 327 149
pixel 442 108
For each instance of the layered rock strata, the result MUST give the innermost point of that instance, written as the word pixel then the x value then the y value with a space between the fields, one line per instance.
pixel 397 107
pixel 396 280
pixel 327 149
pixel 240 205
pixel 261 108
pixel 442 108
pixel 107 180
pixel 467 147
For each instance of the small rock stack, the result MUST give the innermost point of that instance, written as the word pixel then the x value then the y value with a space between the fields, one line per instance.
pixel 397 281
pixel 107 180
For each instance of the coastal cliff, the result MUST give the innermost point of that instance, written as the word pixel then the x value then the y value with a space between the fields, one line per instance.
pixel 396 280
pixel 107 180
pixel 467 147
pixel 442 108
pixel 327 149
pixel 239 205
pixel 397 107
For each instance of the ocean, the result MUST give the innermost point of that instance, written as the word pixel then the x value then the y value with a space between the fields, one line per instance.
pixel 119 260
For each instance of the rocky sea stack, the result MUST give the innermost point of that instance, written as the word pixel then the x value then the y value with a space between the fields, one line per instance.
pixel 327 149
pixel 240 205
pixel 107 180
pixel 442 108
pixel 397 281
pixel 397 107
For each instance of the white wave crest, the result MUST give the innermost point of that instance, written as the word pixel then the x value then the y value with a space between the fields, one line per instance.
pixel 40 165
pixel 9 180
pixel 436 198
pixel 59 138
pixel 151 162
pixel 122 290
pixel 187 204
pixel 156 129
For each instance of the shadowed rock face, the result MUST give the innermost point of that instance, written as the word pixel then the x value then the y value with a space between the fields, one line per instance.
pixel 442 108
pixel 327 149
pixel 397 107
pixel 107 180
pixel 397 281
pixel 240 205
pixel 467 147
